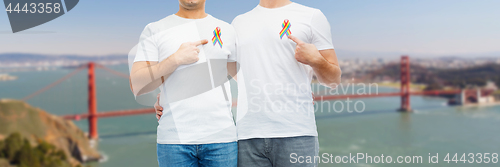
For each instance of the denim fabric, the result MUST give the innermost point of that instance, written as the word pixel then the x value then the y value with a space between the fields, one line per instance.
pixel 277 152
pixel 197 155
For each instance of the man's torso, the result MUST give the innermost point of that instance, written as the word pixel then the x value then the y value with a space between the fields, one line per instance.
pixel 274 89
pixel 196 97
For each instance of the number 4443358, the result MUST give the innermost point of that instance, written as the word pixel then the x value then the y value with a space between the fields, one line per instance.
pixel 472 158
pixel 34 8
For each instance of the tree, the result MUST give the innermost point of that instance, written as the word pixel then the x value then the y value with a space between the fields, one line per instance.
pixel 19 151
pixel 28 157
pixel 2 146
pixel 13 144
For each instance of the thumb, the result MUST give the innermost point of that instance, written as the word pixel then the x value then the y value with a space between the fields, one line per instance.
pixel 295 39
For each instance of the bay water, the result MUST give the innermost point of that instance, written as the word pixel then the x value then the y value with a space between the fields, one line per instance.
pixel 370 126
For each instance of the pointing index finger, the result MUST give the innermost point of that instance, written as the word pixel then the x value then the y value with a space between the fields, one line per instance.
pixel 295 39
pixel 201 42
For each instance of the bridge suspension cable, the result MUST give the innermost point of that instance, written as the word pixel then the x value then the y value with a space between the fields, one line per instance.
pixel 54 83
pixel 80 68
pixel 123 75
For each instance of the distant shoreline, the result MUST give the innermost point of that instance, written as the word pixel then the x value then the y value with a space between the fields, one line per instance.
pixel 481 104
pixel 397 85
pixel 7 77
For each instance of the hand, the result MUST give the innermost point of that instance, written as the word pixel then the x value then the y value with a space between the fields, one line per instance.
pixel 188 52
pixel 306 53
pixel 158 108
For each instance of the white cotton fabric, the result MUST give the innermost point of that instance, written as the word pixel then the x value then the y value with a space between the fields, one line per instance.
pixel 274 90
pixel 205 116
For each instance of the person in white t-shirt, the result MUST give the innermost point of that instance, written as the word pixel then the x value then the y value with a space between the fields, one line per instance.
pixel 281 45
pixel 196 127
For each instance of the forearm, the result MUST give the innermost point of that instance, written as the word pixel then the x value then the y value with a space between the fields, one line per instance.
pixel 328 74
pixel 324 62
pixel 232 69
pixel 149 87
pixel 147 76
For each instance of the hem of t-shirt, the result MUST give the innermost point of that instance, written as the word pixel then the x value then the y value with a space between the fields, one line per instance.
pixel 145 60
pixel 196 142
pixel 326 47
pixel 276 136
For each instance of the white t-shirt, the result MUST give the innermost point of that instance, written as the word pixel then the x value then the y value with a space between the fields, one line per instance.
pixel 196 98
pixel 274 89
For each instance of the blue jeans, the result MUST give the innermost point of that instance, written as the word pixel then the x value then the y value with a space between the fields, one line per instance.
pixel 197 155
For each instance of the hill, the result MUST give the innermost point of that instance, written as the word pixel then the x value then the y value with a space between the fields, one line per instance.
pixel 37 125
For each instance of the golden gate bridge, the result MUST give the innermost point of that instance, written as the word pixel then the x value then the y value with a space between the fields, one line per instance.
pixel 92 115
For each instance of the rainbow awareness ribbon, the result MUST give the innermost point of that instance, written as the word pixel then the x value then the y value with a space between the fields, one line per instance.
pixel 286 29
pixel 216 37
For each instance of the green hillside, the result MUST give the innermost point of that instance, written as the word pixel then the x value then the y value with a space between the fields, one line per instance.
pixel 37 126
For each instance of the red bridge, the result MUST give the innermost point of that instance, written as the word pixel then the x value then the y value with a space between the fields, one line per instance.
pixel 467 96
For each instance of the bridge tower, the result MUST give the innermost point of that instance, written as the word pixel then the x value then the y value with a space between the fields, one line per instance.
pixel 405 84
pixel 92 101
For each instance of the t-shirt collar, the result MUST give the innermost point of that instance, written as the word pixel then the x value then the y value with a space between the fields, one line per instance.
pixel 271 9
pixel 179 17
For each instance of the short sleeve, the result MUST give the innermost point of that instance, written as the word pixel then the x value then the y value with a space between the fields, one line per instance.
pixel 146 48
pixel 234 52
pixel 321 32
pixel 233 49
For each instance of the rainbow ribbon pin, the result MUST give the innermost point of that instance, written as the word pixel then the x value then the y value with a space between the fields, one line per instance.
pixel 216 37
pixel 286 29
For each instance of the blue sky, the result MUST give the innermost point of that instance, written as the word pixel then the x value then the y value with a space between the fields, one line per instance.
pixel 359 27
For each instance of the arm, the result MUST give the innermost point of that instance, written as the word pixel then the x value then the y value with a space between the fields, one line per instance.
pixel 328 70
pixel 232 69
pixel 323 62
pixel 147 76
